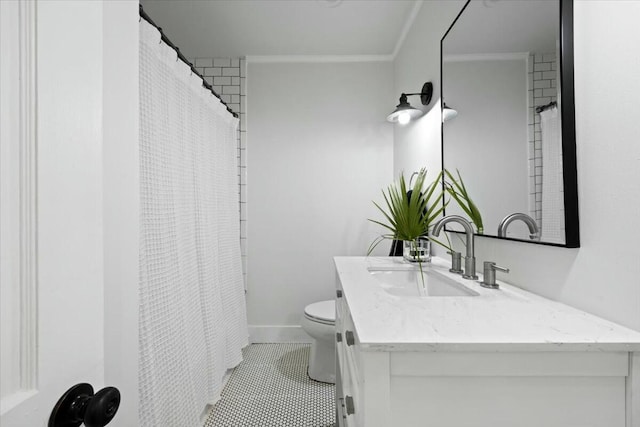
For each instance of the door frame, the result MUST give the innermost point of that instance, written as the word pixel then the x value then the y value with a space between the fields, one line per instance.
pixel 121 199
pixel 20 129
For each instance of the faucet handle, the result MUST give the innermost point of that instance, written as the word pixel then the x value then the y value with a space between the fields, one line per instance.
pixel 489 279
pixel 497 267
pixel 456 262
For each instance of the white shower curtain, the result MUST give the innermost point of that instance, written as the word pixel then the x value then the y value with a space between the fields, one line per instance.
pixel 192 307
pixel 553 229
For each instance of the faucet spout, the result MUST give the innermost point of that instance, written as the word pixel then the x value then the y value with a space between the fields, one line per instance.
pixel 470 259
pixel 534 230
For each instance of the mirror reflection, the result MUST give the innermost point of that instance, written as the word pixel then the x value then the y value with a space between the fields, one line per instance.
pixel 501 74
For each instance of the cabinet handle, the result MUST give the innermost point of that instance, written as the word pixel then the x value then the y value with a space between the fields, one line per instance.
pixel 349 404
pixel 338 337
pixel 341 411
pixel 351 339
pixel 339 293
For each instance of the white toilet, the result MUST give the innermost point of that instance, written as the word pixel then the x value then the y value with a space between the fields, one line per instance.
pixel 319 322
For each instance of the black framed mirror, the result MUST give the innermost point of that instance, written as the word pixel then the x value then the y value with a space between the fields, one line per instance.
pixel 509 127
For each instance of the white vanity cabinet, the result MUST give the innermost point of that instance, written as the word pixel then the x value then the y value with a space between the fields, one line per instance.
pixel 387 379
pixel 362 388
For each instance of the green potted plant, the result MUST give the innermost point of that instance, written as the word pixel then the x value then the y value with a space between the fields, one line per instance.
pixel 410 214
pixel 457 190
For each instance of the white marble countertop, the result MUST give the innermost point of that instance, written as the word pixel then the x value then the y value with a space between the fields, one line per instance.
pixel 497 320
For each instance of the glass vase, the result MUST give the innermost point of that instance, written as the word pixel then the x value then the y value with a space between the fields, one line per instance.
pixel 418 250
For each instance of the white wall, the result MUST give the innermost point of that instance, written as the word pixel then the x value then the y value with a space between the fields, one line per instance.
pixel 491 99
pixel 319 151
pixel 418 143
pixel 603 276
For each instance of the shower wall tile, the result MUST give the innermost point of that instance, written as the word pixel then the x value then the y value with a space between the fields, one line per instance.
pixel 222 62
pixel 243 120
pixel 230 89
pixel 212 71
pixel 227 76
pixel 542 90
pixel 223 74
pixel 242 149
pixel 222 81
pixel 204 62
pixel 542 66
pixel 243 216
pixel 231 71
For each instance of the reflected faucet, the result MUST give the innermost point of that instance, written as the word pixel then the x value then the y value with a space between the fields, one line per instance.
pixel 534 230
pixel 470 258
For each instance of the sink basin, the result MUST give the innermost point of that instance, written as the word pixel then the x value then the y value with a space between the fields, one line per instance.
pixel 409 283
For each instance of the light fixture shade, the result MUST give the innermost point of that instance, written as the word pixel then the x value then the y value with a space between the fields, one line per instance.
pixel 402 112
pixel 448 113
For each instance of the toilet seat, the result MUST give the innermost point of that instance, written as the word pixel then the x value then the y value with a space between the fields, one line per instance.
pixel 321 312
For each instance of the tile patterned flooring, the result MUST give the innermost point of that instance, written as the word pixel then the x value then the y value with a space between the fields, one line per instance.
pixel 270 388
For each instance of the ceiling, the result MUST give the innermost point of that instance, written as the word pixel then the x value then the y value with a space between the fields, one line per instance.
pixel 505 26
pixel 232 28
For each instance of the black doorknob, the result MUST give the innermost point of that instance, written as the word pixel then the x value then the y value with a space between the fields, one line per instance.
pixel 80 405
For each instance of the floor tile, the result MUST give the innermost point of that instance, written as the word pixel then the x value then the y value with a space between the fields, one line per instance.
pixel 270 388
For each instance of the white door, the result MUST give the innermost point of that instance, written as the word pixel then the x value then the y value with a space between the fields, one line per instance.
pixel 56 176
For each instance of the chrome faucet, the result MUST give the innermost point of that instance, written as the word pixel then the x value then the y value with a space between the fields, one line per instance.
pixel 470 258
pixel 489 278
pixel 534 230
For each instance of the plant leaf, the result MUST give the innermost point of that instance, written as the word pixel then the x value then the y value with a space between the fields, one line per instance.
pixel 410 212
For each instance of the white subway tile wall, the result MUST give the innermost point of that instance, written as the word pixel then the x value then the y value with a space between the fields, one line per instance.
pixel 543 89
pixel 228 78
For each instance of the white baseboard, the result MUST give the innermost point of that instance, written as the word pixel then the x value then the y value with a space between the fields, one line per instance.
pixel 278 333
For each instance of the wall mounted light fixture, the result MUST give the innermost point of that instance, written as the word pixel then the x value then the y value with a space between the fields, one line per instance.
pixel 448 113
pixel 404 112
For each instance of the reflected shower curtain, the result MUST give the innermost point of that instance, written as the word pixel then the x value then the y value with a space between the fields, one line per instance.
pixel 192 307
pixel 553 230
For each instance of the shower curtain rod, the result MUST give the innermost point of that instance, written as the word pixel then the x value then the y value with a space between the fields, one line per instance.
pixel 168 42
pixel 546 107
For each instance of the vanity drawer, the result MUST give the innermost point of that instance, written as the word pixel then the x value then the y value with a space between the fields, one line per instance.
pixel 350 397
pixel 349 402
pixel 351 345
pixel 351 372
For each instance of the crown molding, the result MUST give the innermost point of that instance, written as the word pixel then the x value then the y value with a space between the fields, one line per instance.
pixel 270 59
pixel 466 57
